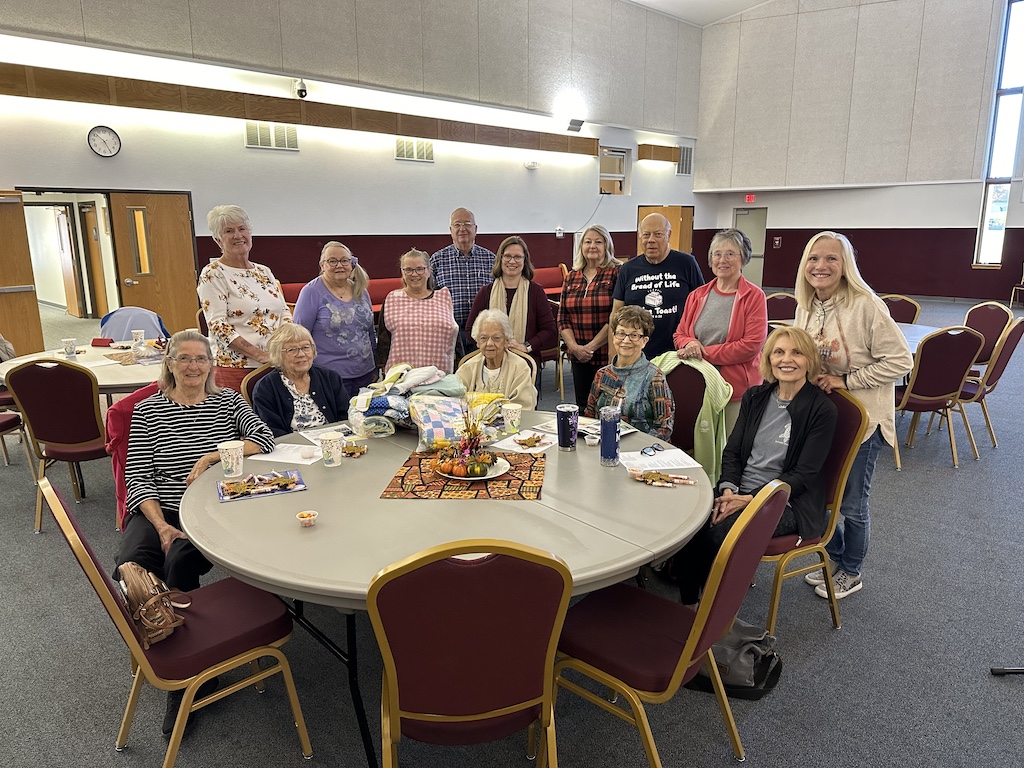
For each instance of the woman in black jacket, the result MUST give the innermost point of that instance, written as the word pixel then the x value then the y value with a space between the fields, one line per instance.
pixel 298 395
pixel 784 432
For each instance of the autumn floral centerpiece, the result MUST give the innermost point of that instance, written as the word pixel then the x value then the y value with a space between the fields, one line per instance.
pixel 467 457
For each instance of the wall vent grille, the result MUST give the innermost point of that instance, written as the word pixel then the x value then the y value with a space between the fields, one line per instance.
pixel 685 166
pixel 419 150
pixel 271 136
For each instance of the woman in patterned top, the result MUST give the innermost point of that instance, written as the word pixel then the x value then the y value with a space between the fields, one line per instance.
pixel 298 395
pixel 632 382
pixel 585 307
pixel 242 301
pixel 416 324
pixel 336 309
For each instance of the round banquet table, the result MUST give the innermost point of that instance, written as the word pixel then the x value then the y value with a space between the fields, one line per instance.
pixel 111 376
pixel 604 525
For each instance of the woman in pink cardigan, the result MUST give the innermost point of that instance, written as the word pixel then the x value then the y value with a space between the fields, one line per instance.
pixel 726 321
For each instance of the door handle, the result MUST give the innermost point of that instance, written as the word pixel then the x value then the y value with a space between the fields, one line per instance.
pixel 129 281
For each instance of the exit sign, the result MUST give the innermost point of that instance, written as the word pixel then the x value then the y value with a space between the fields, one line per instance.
pixel 750 199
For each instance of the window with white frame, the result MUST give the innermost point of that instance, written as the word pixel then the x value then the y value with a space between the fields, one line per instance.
pixel 1005 138
pixel 615 170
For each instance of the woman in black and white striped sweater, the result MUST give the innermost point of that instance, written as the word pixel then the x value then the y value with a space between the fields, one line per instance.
pixel 173 440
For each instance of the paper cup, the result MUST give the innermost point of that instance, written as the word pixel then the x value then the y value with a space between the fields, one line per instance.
pixel 307 518
pixel 231 453
pixel 592 440
pixel 511 413
pixel 138 336
pixel 70 347
pixel 331 444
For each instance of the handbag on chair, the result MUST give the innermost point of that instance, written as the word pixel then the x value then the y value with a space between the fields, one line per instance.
pixel 151 603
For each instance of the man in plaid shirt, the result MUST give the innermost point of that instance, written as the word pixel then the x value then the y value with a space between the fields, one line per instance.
pixel 463 268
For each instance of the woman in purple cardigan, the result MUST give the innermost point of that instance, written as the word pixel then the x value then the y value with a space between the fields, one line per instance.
pixel 524 301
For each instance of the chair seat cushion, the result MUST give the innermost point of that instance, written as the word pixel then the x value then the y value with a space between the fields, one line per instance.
pixel 630 633
pixel 96 449
pixel 971 392
pixel 780 545
pixel 6 398
pixel 226 618
pixel 9 420
pixel 472 732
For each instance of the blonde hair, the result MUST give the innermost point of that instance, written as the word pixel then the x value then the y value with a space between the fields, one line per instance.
pixel 165 380
pixel 287 333
pixel 360 279
pixel 802 341
pixel 578 261
pixel 851 284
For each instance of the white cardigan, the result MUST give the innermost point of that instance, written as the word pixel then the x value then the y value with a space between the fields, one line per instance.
pixel 515 380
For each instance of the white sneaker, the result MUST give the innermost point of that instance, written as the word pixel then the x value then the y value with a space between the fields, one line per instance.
pixel 845 584
pixel 817 578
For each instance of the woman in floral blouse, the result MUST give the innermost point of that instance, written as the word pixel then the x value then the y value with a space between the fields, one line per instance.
pixel 242 301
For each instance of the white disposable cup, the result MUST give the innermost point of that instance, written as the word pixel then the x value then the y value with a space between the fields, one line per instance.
pixel 231 453
pixel 70 347
pixel 331 443
pixel 592 440
pixel 307 518
pixel 511 414
pixel 138 336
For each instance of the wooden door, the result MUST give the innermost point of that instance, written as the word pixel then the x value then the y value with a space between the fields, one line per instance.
pixel 154 249
pixel 681 219
pixel 94 257
pixel 19 310
pixel 68 261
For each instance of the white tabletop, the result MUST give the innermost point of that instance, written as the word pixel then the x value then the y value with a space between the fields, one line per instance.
pixel 111 376
pixel 603 524
pixel 913 333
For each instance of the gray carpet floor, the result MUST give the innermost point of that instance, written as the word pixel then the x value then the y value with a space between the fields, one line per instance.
pixel 905 681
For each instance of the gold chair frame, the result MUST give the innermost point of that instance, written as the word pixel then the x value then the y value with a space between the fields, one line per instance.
pixel 999 306
pixel 832 505
pixel 637 716
pixel 142 670
pixel 251 379
pixel 391 712
pixel 901 297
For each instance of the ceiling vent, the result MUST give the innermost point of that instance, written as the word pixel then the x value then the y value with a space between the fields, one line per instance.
pixel 685 165
pixel 270 136
pixel 420 150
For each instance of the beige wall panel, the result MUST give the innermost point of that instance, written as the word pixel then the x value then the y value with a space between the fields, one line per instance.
pixel 826 44
pixel 716 120
pixel 246 32
pixel 504 65
pixel 884 82
pixel 592 38
pixel 688 53
pixel 162 27
pixel 451 48
pixel 764 96
pixel 626 64
pixel 660 72
pixel 319 39
pixel 767 10
pixel 58 18
pixel 995 36
pixel 951 90
pixel 809 6
pixel 390 43
pixel 550 51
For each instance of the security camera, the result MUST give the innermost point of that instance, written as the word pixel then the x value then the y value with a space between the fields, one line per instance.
pixel 300 89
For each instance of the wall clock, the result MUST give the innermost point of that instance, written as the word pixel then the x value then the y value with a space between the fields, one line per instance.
pixel 104 141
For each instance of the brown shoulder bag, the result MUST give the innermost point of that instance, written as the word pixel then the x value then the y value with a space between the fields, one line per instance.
pixel 151 603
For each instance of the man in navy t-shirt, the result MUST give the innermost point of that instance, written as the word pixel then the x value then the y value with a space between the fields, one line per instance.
pixel 659 280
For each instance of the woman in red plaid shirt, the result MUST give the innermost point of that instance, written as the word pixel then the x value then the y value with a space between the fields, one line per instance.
pixel 585 307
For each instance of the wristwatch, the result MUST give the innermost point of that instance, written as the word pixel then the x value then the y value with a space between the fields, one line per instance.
pixel 529 348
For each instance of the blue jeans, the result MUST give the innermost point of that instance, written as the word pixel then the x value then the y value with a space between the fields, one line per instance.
pixel 849 543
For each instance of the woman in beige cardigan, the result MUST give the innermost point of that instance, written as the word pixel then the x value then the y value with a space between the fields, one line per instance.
pixel 496 369
pixel 863 351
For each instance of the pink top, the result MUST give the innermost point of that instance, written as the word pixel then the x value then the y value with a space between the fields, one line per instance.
pixel 738 356
pixel 423 331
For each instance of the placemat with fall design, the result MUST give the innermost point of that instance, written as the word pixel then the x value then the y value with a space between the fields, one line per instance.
pixel 416 479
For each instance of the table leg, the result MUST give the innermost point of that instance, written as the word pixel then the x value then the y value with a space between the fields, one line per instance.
pixel 348 658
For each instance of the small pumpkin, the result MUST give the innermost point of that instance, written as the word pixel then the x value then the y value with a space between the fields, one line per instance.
pixel 477 469
pixel 459 470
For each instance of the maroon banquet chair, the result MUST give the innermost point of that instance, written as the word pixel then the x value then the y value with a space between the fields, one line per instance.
pixel 990 319
pixel 10 421
pixel 59 403
pixel 229 626
pixel 975 390
pixel 687 386
pixel 902 308
pixel 781 306
pixel 468 645
pixel 644 647
pixel 941 365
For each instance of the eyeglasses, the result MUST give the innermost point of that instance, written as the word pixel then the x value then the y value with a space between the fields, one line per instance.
pixel 650 450
pixel 485 339
pixel 634 337
pixel 463 225
pixel 332 263
pixel 724 255
pixel 414 270
pixel 512 257
pixel 186 360
pixel 305 349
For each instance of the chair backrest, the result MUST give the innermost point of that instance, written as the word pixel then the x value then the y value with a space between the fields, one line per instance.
pixel 781 306
pixel 552 353
pixel 107 591
pixel 249 382
pixel 941 364
pixel 1002 353
pixel 201 323
pixel 687 386
pixel 119 324
pixel 461 638
pixel 990 319
pixel 902 309
pixel 732 573
pixel 59 401
pixel 119 425
pixel 851 424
